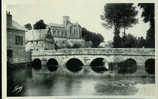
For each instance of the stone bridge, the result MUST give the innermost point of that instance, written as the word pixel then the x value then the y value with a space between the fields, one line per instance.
pixel 95 61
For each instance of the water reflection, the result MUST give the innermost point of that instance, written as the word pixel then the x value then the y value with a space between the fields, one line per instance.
pixel 76 86
pixel 62 85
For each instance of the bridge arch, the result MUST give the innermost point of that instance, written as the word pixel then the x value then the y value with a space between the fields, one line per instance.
pixel 150 66
pixel 36 64
pixel 127 66
pixel 52 64
pixel 74 65
pixel 99 65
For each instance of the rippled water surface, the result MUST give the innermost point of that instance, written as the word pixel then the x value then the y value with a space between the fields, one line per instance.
pixel 70 86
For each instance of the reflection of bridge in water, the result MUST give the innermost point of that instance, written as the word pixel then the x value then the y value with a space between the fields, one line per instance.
pixel 95 61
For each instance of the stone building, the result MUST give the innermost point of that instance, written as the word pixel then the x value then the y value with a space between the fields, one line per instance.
pixel 15 41
pixel 39 40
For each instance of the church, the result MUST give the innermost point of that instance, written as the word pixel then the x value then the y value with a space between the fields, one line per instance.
pixel 67 30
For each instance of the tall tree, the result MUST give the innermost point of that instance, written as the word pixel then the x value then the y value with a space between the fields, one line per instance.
pixel 28 26
pixel 149 14
pixel 119 15
pixel 40 25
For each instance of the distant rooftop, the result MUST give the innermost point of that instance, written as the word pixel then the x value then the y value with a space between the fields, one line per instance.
pixel 16 26
pixel 12 24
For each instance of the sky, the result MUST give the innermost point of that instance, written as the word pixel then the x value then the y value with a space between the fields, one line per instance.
pixel 85 12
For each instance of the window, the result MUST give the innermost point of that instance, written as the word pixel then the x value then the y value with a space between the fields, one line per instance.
pixel 19 40
pixel 9 53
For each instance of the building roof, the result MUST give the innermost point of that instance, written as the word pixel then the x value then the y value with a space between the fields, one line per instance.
pixel 15 26
pixel 56 25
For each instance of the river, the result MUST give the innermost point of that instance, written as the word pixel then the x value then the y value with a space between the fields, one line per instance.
pixel 21 83
pixel 80 86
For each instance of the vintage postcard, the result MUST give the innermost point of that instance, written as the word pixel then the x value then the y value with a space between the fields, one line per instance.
pixel 79 49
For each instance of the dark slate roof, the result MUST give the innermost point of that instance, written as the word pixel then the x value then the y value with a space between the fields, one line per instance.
pixel 16 26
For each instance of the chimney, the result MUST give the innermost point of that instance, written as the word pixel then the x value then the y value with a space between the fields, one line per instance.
pixel 9 19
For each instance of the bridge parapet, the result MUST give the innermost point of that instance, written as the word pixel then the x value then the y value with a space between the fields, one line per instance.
pixel 98 51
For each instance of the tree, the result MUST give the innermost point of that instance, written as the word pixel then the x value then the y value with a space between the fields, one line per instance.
pixel 119 15
pixel 95 38
pixel 28 26
pixel 140 42
pixel 87 35
pixel 40 25
pixel 149 14
pixel 129 41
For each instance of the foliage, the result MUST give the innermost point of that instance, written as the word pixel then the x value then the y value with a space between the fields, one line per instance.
pixel 95 38
pixel 140 42
pixel 117 42
pixel 129 41
pixel 68 44
pixel 28 26
pixel 39 25
pixel 150 38
pixel 106 44
pixel 148 14
pixel 76 45
pixel 119 15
